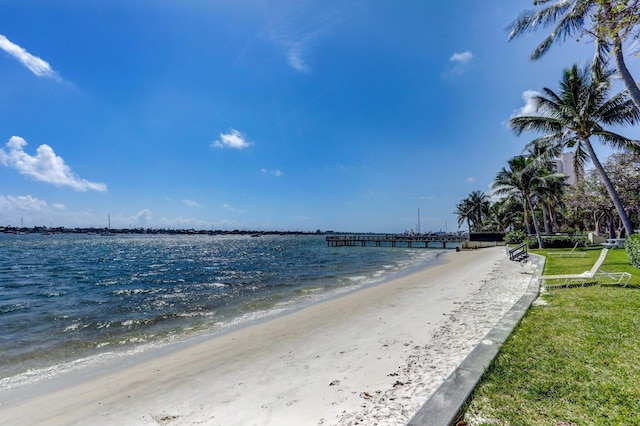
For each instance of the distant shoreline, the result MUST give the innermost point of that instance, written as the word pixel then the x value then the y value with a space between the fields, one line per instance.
pixel 178 231
pixel 152 231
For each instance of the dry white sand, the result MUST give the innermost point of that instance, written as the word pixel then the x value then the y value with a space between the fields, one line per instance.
pixel 369 357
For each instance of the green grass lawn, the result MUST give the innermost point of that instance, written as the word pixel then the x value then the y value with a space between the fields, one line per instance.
pixel 574 359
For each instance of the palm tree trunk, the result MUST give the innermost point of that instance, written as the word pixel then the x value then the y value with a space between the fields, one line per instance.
pixel 535 222
pixel 554 220
pixel 628 226
pixel 546 219
pixel 611 225
pixel 627 78
pixel 527 222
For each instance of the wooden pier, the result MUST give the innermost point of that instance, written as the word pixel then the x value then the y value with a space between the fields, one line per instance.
pixel 395 240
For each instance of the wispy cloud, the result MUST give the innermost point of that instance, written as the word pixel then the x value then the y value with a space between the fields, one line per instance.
pixel 462 58
pixel 45 166
pixel 298 28
pixel 190 203
pixel 471 179
pixel 458 63
pixel 530 106
pixel 229 207
pixel 275 172
pixel 38 66
pixel 25 203
pixel 295 57
pixel 234 139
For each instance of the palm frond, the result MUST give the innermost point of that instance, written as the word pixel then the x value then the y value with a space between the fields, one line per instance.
pixel 617 141
pixel 538 124
pixel 530 20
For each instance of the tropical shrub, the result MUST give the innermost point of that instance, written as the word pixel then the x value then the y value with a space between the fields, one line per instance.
pixel 633 249
pixel 515 237
pixel 564 241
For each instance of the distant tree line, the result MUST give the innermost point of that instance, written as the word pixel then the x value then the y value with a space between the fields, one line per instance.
pixel 151 231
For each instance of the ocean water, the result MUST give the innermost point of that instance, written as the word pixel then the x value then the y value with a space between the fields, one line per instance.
pixel 70 300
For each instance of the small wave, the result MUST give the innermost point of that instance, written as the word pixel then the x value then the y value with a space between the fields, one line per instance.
pixel 196 314
pixel 48 294
pixel 135 291
pixel 5 309
pixel 34 375
pixel 75 326
pixel 311 290
pixel 132 322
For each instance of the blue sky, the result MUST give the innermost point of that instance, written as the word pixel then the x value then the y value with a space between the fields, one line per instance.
pixel 271 115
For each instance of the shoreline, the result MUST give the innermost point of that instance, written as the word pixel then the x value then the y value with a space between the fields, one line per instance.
pixel 374 354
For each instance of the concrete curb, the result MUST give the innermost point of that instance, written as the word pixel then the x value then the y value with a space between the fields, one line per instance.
pixel 445 405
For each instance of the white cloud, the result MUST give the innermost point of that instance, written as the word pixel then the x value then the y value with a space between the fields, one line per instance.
pixel 275 172
pixel 38 66
pixel 22 203
pixel 229 207
pixel 143 217
pixel 459 61
pixel 462 58
pixel 294 57
pixel 530 105
pixel 297 28
pixel 45 166
pixel 190 203
pixel 233 139
pixel 471 179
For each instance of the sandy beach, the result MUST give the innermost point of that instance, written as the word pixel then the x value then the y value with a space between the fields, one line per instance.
pixel 368 357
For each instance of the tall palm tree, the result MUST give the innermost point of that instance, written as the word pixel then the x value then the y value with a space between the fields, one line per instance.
pixel 543 152
pixel 479 205
pixel 553 199
pixel 501 216
pixel 464 212
pixel 525 177
pixel 609 22
pixel 569 118
pixel 473 209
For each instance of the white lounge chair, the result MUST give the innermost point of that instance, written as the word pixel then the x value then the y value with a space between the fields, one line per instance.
pixel 614 243
pixel 595 274
pixel 572 253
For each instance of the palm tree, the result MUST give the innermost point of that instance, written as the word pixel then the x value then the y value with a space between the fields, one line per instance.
pixel 577 112
pixel 464 212
pixel 473 209
pixel 479 205
pixel 553 199
pixel 525 178
pixel 501 216
pixel 543 152
pixel 610 22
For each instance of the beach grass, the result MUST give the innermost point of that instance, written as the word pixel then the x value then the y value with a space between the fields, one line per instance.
pixel 572 360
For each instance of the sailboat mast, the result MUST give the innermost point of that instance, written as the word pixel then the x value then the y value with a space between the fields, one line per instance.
pixel 418 227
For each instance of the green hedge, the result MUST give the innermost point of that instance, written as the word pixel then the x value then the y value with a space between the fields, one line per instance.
pixel 633 249
pixel 515 237
pixel 557 242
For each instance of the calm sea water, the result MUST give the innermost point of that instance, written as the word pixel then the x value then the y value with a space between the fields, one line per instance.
pixel 68 300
